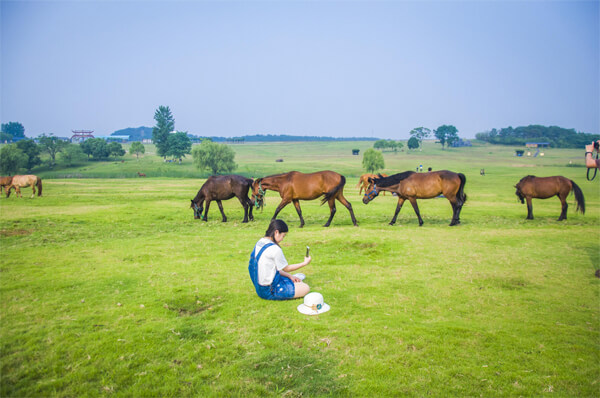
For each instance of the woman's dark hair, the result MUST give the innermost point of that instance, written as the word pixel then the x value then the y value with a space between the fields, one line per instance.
pixel 276 225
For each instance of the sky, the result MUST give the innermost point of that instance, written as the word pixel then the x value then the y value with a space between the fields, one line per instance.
pixel 326 68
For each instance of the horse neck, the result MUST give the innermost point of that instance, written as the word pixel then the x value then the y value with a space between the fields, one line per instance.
pixel 199 197
pixel 272 183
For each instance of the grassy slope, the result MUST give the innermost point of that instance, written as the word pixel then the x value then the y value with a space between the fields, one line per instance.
pixel 497 306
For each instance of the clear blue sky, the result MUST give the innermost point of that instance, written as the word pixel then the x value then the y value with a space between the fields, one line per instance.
pixel 302 68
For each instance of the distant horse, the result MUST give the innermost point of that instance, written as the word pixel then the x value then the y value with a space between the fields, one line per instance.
pixel 141 174
pixel 295 186
pixel 412 186
pixel 24 181
pixel 545 187
pixel 5 182
pixel 363 181
pixel 222 188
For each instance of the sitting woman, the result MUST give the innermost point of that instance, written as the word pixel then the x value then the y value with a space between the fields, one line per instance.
pixel 270 271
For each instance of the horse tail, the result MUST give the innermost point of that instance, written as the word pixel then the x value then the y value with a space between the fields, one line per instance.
pixel 578 197
pixel 334 191
pixel 461 195
pixel 39 186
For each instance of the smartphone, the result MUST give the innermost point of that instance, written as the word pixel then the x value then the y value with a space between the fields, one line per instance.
pixel 307 250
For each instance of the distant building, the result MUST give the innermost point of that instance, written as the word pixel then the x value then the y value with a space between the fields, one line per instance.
pixel 114 138
pixel 460 143
pixel 81 135
pixel 537 144
pixel 147 141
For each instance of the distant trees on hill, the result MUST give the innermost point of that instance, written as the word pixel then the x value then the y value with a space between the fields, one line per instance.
pixel 558 137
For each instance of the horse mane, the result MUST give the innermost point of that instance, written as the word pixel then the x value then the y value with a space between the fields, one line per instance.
pixel 393 179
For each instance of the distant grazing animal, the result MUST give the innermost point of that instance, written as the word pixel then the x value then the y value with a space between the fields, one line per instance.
pixel 412 186
pixel 222 188
pixel 4 183
pixel 545 187
pixel 141 174
pixel 295 186
pixel 24 181
pixel 363 181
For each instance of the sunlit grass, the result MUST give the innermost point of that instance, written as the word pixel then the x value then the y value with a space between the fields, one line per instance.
pixel 110 287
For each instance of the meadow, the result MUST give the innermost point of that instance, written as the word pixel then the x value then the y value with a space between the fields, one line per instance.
pixel 109 287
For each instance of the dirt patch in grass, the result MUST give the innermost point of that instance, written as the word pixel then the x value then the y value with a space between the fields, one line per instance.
pixel 15 232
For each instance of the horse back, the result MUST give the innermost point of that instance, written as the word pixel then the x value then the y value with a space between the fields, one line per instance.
pixel 544 187
pixel 308 186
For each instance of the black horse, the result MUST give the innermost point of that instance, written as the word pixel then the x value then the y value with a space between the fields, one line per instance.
pixel 222 188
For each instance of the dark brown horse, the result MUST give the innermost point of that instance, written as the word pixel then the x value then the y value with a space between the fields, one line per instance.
pixel 295 186
pixel 545 187
pixel 5 183
pixel 412 186
pixel 222 188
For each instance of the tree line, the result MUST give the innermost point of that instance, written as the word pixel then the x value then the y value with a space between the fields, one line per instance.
pixel 557 137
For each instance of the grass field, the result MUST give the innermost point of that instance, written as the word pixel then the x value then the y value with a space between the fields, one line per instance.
pixel 109 287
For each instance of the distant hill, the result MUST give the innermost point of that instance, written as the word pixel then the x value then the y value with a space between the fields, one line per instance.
pixel 557 137
pixel 140 133
pixel 136 133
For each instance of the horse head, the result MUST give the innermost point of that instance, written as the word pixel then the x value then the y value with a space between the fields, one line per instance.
pixel 258 194
pixel 519 194
pixel 371 192
pixel 198 208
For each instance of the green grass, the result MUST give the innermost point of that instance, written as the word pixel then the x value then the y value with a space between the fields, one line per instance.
pixel 109 287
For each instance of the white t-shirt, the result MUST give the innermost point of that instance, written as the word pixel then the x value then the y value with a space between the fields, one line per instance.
pixel 271 261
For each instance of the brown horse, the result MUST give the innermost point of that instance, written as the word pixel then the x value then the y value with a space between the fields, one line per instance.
pixel 545 187
pixel 5 182
pixel 295 186
pixel 412 186
pixel 363 181
pixel 24 181
pixel 141 174
pixel 222 188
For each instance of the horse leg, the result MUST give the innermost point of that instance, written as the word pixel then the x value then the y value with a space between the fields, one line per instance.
pixel 250 208
pixel 244 203
pixel 33 189
pixel 398 208
pixel 299 211
pixel 413 202
pixel 205 217
pixel 19 194
pixel 565 205
pixel 332 211
pixel 284 202
pixel 348 206
pixel 455 211
pixel 221 208
pixel 529 208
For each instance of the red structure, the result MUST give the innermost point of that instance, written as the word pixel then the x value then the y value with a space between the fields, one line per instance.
pixel 81 135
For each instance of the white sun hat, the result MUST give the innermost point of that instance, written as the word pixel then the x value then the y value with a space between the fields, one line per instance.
pixel 313 304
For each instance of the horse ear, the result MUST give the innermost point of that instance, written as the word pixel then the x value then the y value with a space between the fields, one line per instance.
pixel 379 175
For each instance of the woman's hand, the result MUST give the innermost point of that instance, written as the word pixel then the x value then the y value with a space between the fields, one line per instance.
pixel 307 260
pixel 295 279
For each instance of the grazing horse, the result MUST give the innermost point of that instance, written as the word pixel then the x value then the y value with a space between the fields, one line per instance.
pixel 545 187
pixel 24 181
pixel 295 186
pixel 363 181
pixel 5 182
pixel 412 186
pixel 222 188
pixel 141 174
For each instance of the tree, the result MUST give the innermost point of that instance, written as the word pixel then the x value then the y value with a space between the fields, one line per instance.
pixel 51 145
pixel 95 147
pixel 116 149
pixel 32 151
pixel 179 144
pixel 446 133
pixel 216 157
pixel 137 148
pixel 391 144
pixel 420 133
pixel 11 159
pixel 15 129
pixel 372 160
pixel 413 142
pixel 160 133
pixel 72 153
pixel 380 144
